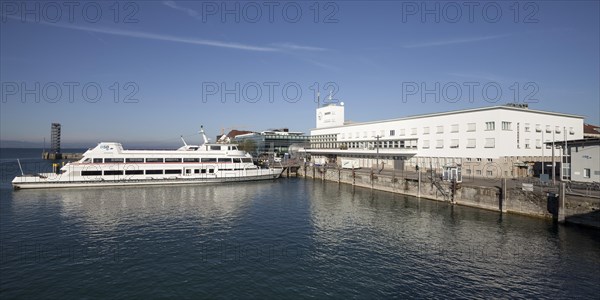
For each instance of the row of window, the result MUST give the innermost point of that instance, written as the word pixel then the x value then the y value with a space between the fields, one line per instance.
pixel 151 172
pixel 454 143
pixel 168 160
pixel 454 128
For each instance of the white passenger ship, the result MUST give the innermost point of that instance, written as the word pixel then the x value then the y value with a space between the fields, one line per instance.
pixel 108 164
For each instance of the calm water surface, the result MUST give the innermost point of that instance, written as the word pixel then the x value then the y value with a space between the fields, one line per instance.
pixel 289 238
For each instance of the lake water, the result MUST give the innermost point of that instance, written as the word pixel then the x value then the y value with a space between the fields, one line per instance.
pixel 289 238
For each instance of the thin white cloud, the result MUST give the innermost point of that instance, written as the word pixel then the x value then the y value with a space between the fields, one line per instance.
pixel 456 41
pixel 290 46
pixel 189 11
pixel 159 37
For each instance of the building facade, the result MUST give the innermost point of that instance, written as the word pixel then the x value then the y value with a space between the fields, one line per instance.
pixel 581 160
pixel 497 141
pixel 275 142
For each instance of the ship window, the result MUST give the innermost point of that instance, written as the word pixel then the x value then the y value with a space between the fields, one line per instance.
pixel 209 160
pixel 247 159
pixel 173 171
pixel 87 161
pixel 149 172
pixel 153 159
pixel 134 159
pixel 134 172
pixel 215 147
pixel 113 172
pixel 197 171
pixel 170 159
pixel 211 171
pixel 91 173
pixel 234 148
pixel 224 160
pixel 237 160
pixel 97 160
pixel 113 160
pixel 203 171
pixel 191 160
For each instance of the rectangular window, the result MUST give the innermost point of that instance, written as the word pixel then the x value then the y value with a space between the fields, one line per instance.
pixel 208 160
pixel 196 171
pixel 490 143
pixel 413 131
pixel 91 173
pixel 471 127
pixel 557 129
pixel 548 129
pixel 489 173
pixel 402 131
pixel 426 144
pixel 134 172
pixel 439 144
pixel 211 171
pixel 571 131
pixel 538 128
pixel 154 160
pixel 527 145
pixel 191 159
pixel 538 144
pixel 113 172
pixel 173 171
pixel 471 143
pixel 468 171
pixel 215 147
pixel 454 143
pixel 247 159
pixel 454 128
pixel 153 172
pixel 134 160
pixel 425 130
pixel 506 125
pixel 172 160
pixel 97 160
pixel 224 160
pixel 440 129
pixel 392 132
pixel 526 127
pixel 203 171
pixel 587 173
pixel 113 160
pixel 478 172
pixel 490 126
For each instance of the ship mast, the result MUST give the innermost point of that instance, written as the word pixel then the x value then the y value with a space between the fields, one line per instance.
pixel 203 135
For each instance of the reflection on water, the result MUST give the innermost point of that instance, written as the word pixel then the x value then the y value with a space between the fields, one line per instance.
pixel 282 238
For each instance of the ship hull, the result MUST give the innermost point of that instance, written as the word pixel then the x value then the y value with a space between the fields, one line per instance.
pixel 37 182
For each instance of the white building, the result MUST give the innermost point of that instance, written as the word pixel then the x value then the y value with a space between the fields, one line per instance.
pixel 498 141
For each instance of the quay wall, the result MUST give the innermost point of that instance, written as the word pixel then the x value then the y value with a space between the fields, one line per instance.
pixel 496 197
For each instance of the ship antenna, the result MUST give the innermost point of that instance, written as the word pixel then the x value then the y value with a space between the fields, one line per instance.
pixel 203 135
pixel 184 143
pixel 18 161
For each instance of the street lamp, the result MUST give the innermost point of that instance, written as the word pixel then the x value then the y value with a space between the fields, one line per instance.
pixel 377 148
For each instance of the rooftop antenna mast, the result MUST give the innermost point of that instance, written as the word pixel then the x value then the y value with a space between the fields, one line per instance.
pixel 318 99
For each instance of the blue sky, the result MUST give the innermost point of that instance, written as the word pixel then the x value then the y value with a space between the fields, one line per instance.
pixel 172 59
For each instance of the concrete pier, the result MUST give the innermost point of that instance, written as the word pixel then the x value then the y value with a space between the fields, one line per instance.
pixel 498 196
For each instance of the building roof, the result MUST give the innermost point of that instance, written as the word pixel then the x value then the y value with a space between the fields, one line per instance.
pixel 579 142
pixel 591 129
pixel 462 111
